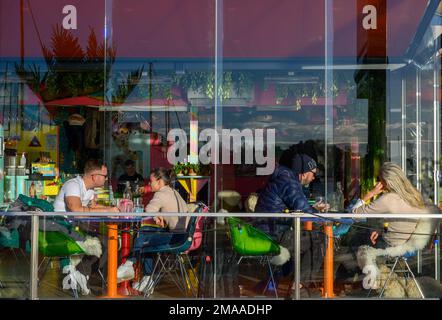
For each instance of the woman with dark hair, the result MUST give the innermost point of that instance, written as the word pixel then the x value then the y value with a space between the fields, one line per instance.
pixel 165 199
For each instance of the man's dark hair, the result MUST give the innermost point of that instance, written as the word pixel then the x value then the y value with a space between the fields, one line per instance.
pixel 129 163
pixel 92 165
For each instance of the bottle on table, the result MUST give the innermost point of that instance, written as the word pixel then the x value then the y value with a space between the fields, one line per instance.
pixel 127 194
pixel 336 199
pixel 138 206
pixel 23 160
pixel 340 195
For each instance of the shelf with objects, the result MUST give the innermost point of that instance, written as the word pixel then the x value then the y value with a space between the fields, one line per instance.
pixel 193 176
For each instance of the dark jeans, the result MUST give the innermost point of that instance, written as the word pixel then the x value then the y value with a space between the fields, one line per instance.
pixel 312 246
pixel 148 237
pixel 362 238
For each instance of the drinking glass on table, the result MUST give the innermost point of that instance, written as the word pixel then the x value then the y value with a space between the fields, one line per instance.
pixel 320 204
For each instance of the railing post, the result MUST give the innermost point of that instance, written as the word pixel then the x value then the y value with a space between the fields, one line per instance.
pixel 34 258
pixel 297 255
pixel 437 256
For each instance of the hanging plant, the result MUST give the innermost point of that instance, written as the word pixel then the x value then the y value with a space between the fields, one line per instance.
pixel 297 91
pixel 204 83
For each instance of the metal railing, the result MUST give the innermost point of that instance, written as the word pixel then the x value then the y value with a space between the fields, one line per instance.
pixel 297 217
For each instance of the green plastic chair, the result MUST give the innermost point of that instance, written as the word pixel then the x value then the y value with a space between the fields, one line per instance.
pixel 246 240
pixel 57 244
pixel 249 242
pixel 53 244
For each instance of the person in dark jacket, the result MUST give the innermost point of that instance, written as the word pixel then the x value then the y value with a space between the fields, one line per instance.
pixel 284 188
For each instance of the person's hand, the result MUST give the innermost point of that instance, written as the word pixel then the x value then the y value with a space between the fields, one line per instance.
pixel 373 237
pixel 114 210
pixel 160 221
pixel 378 188
pixel 321 206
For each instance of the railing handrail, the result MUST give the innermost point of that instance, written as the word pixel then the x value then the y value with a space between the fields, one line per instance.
pixel 225 214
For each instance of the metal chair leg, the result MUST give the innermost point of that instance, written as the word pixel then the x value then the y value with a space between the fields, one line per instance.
pixel 75 293
pixel 271 277
pixel 187 279
pixel 414 279
pixel 156 276
pixel 195 290
pixel 102 278
pixel 43 272
pixel 388 278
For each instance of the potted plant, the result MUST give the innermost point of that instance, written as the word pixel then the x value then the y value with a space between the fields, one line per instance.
pixel 193 169
pixel 179 169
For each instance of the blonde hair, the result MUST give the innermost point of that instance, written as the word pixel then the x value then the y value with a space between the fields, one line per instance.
pixel 395 181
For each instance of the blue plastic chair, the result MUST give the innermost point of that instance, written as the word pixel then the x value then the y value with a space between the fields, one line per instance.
pixel 169 257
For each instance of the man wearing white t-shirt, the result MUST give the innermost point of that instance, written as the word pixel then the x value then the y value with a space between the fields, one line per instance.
pixel 77 195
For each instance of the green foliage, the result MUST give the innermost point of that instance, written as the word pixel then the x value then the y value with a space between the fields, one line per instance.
pixel 179 168
pixel 204 83
pixel 186 168
pixel 72 71
pixel 316 89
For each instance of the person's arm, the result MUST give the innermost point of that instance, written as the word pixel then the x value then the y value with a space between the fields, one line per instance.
pixel 73 204
pixel 155 205
pixel 98 206
pixel 379 205
pixel 294 197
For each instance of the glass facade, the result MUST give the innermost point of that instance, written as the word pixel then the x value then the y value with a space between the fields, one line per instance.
pixel 228 86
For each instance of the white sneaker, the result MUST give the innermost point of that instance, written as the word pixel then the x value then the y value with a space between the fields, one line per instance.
pixel 144 285
pixel 125 271
pixel 75 279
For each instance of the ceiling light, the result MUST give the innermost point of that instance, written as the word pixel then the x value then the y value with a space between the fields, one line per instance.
pixel 374 66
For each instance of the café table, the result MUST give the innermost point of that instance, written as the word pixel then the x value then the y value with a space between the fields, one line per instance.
pixel 327 223
pixel 113 226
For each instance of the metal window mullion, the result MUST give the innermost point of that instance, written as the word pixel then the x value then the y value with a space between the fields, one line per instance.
pixel 328 79
pixel 418 130
pixel 217 116
pixel 418 149
pixel 297 256
pixel 33 288
pixel 436 128
pixel 404 124
pixel 436 141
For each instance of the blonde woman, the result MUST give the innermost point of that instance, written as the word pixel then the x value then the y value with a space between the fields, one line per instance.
pixel 398 195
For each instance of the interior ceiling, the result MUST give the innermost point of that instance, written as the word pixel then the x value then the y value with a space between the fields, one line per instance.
pixel 177 29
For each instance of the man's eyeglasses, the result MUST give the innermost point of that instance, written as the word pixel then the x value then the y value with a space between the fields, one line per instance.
pixel 99 174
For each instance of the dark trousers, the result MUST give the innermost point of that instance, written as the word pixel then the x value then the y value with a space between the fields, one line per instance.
pixel 148 237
